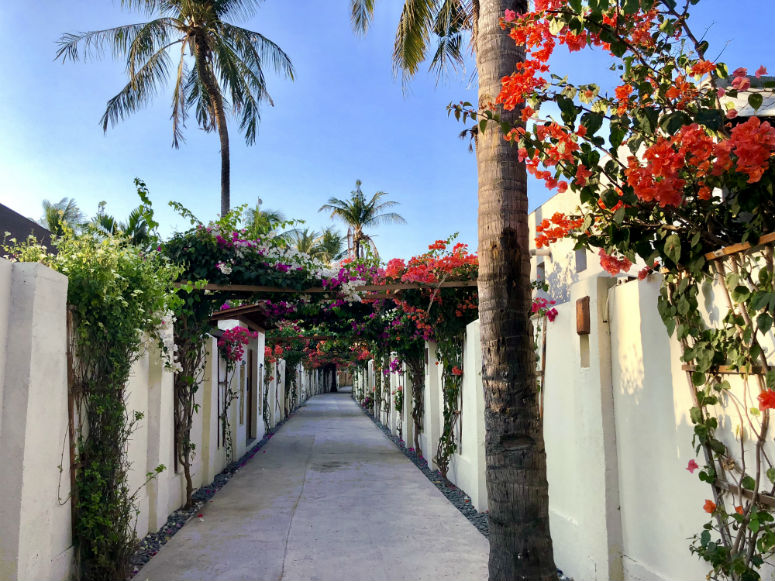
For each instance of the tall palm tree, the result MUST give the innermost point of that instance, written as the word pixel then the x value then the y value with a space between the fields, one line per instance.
pixel 227 70
pixel 60 216
pixel 358 214
pixel 520 544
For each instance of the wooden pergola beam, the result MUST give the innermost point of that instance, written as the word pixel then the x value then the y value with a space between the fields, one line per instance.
pixel 249 288
pixel 742 247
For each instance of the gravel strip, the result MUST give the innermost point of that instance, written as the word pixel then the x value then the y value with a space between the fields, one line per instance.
pixel 152 542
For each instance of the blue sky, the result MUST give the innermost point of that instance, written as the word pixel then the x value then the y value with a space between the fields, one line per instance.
pixel 344 118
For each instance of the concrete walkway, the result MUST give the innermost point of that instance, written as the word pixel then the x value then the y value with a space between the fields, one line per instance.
pixel 332 499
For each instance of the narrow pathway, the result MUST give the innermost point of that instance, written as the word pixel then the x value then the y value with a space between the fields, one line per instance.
pixel 331 499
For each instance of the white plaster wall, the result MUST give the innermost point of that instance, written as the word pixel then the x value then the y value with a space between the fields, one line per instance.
pixel 429 438
pixel 137 394
pixel 578 432
pixel 653 457
pixel 467 466
pixel 35 541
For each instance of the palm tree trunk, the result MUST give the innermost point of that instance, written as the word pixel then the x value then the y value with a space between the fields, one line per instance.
pixel 219 113
pixel 520 545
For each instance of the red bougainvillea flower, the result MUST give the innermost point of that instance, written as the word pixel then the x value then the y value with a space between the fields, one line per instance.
pixel 614 265
pixel 767 400
pixel 709 506
pixel 692 466
pixel 457 371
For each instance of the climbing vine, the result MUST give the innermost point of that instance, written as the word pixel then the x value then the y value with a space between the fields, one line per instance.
pixel 118 296
pixel 231 346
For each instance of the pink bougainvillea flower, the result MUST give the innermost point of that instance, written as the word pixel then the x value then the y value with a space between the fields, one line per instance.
pixel 709 506
pixel 509 15
pixel 741 83
pixel 740 72
pixel 457 371
pixel 767 400
pixel 692 466
pixel 732 113
pixel 761 71
pixel 721 91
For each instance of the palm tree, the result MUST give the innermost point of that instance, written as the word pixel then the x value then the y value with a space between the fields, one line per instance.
pixel 60 216
pixel 227 73
pixel 332 245
pixel 135 229
pixel 520 544
pixel 260 222
pixel 306 241
pixel 358 214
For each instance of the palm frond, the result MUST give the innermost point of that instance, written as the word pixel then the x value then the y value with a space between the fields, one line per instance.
pixel 179 109
pixel 245 86
pixel 257 49
pixel 240 9
pixel 141 88
pixel 452 19
pixel 412 36
pixel 389 218
pixel 92 44
pixel 361 15
pixel 198 98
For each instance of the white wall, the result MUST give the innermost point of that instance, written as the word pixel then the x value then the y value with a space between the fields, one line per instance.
pixel 35 515
pixel 34 512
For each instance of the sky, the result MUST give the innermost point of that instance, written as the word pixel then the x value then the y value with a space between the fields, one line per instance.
pixel 345 117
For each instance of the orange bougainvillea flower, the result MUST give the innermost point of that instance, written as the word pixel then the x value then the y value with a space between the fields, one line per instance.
pixel 767 400
pixel 709 507
pixel 739 510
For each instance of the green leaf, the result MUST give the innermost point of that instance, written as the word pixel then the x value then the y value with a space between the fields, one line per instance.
pixel 698 378
pixel 673 247
pixel 696 415
pixel 755 100
pixel 764 322
pixel 711 118
pixel 749 483
pixel 771 474
pixel 647 119
pixel 740 293
pixel 717 446
pixel 619 216
pixel 618 48
pixel 754 525
pixel 761 300
pixel 592 122
pixel 567 108
pixel 482 125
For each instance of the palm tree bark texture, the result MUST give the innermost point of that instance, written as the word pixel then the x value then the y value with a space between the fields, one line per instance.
pixel 517 489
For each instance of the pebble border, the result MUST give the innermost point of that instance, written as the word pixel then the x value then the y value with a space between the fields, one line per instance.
pixel 152 542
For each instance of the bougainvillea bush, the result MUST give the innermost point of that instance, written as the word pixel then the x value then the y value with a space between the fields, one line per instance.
pixel 669 171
